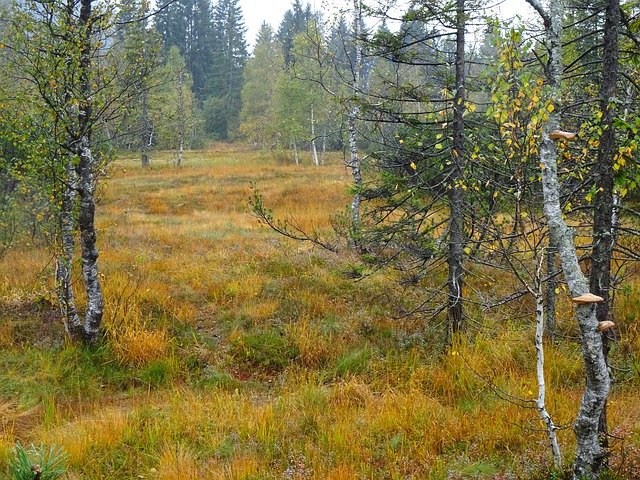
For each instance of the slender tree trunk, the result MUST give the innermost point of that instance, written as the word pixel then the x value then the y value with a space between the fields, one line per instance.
pixel 456 177
pixel 86 185
pixel 550 293
pixel 181 118
pixel 64 261
pixel 323 151
pixel 296 157
pixel 603 216
pixel 540 401
pixel 354 110
pixel 314 150
pixel 146 128
pixel 588 449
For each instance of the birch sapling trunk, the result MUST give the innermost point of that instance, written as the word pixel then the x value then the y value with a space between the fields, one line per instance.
pixel 146 127
pixel 588 449
pixel 87 184
pixel 603 215
pixel 323 151
pixel 296 157
pixel 181 118
pixel 542 389
pixel 550 294
pixel 353 112
pixel 456 177
pixel 314 150
pixel 64 261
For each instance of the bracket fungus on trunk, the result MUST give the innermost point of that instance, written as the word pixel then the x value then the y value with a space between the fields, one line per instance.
pixel 560 135
pixel 605 325
pixel 587 298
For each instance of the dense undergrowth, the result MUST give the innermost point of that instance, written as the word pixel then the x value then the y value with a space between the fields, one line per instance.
pixel 232 353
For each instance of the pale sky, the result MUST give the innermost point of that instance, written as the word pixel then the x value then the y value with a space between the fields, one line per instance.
pixel 272 11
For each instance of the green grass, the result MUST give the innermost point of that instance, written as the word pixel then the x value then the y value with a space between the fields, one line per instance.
pixel 233 353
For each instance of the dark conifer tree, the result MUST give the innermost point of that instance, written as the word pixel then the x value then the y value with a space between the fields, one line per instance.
pixel 224 104
pixel 295 21
pixel 188 25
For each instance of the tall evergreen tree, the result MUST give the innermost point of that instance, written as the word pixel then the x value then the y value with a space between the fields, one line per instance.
pixel 140 44
pixel 188 24
pixel 223 107
pixel 294 22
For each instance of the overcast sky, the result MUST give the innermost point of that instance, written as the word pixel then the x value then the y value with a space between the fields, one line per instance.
pixel 257 11
pixel 272 11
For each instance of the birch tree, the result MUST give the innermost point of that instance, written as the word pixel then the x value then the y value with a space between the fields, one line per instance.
pixel 58 52
pixel 352 117
pixel 588 449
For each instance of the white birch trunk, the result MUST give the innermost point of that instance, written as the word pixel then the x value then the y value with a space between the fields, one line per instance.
pixel 588 450
pixel 87 184
pixel 181 119
pixel 354 160
pixel 314 150
pixel 95 302
pixel 540 401
pixel 323 152
pixel 64 261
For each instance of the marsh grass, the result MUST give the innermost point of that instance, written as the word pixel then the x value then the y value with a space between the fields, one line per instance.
pixel 233 353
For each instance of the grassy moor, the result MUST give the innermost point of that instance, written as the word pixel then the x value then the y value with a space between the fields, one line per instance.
pixel 232 352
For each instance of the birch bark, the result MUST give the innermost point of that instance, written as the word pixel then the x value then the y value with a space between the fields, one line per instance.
pixel 64 261
pixel 542 389
pixel 354 159
pixel 87 183
pixel 588 449
pixel 314 149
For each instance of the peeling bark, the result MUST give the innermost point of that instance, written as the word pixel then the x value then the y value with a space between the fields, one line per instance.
pixel 588 449
pixel 86 186
pixel 64 261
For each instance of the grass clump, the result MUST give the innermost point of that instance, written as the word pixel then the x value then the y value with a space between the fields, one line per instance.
pixel 355 362
pixel 140 346
pixel 266 350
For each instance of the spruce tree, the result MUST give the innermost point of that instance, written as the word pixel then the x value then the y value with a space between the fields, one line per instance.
pixel 223 107
pixel 295 21
pixel 188 25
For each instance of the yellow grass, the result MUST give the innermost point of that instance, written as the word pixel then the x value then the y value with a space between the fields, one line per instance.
pixel 189 274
